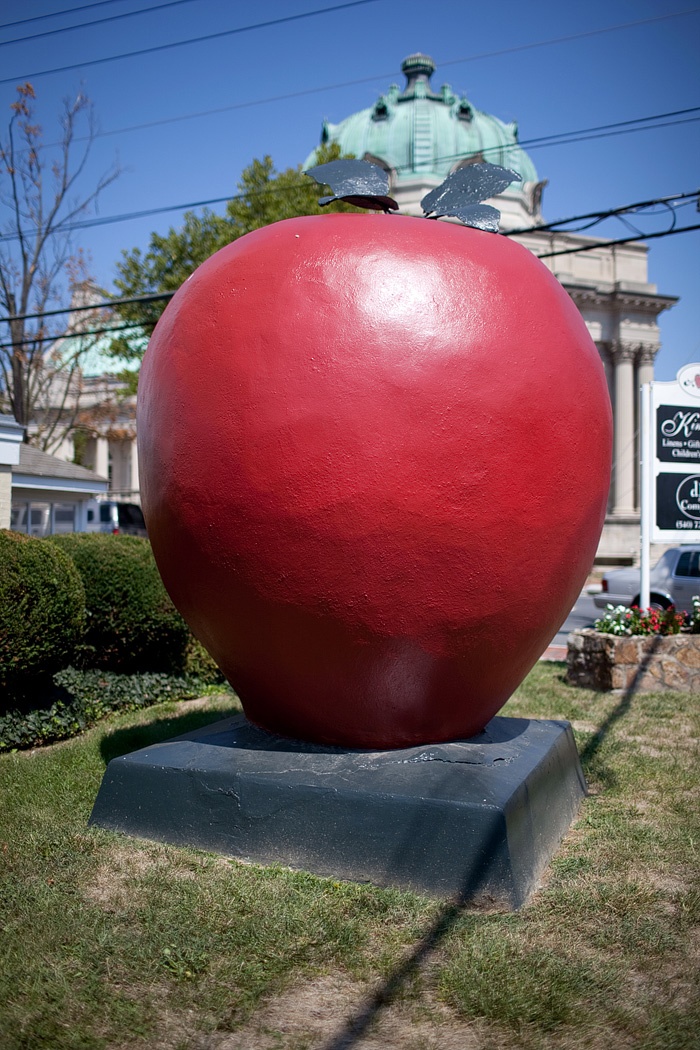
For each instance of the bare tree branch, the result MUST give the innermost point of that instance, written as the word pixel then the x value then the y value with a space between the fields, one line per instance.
pixel 41 195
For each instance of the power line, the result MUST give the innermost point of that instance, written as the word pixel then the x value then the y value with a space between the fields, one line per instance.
pixel 160 296
pixel 77 335
pixel 619 240
pixel 538 142
pixel 601 215
pixel 55 14
pixel 147 298
pixel 192 40
pixel 566 138
pixel 108 220
pixel 449 62
pixel 601 131
pixel 573 36
pixel 359 80
pixel 95 22
pixel 581 135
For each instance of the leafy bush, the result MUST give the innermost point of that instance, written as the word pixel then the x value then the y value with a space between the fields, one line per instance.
pixel 694 618
pixel 83 697
pixel 200 665
pixel 42 614
pixel 635 621
pixel 132 626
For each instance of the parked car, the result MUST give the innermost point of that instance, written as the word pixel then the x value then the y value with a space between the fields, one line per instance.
pixel 675 580
pixel 113 516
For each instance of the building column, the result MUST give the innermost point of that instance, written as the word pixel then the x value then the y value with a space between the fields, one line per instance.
pixel 624 463
pixel 645 362
pixel 101 466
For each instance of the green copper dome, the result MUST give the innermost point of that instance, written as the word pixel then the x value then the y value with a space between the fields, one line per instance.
pixel 421 134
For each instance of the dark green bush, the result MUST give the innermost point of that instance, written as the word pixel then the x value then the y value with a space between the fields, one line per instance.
pixel 42 614
pixel 132 626
pixel 80 698
pixel 200 665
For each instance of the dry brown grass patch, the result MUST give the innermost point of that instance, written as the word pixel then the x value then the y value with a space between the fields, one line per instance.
pixel 313 1014
pixel 112 888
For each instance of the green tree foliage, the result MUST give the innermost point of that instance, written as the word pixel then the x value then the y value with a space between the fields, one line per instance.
pixel 265 196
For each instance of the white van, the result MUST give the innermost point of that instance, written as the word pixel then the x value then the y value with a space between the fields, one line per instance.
pixel 115 517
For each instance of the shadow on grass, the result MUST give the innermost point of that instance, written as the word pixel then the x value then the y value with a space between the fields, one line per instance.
pixel 591 749
pixel 356 1027
pixel 123 741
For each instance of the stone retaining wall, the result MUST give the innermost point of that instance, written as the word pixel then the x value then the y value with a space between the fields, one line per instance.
pixel 649 663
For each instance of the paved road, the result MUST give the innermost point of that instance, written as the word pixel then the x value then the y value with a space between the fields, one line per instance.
pixel 583 614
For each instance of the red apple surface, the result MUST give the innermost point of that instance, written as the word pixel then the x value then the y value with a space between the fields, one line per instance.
pixel 375 455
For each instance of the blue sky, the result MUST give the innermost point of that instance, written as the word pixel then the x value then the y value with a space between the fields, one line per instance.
pixel 267 90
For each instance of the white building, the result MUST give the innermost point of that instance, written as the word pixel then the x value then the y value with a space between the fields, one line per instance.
pixel 90 415
pixel 41 494
pixel 51 496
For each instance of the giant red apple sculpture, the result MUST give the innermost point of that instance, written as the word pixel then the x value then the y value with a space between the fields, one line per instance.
pixel 375 456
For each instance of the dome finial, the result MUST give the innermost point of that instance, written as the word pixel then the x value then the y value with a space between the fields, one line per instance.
pixel 417 68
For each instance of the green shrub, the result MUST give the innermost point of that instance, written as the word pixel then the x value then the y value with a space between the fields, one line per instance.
pixel 82 697
pixel 200 665
pixel 42 614
pixel 132 626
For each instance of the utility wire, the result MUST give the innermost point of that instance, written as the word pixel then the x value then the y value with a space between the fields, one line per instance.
pixel 361 80
pixel 147 298
pixel 601 131
pixel 75 335
pixel 456 61
pixel 539 141
pixel 150 297
pixel 601 215
pixel 107 220
pixel 572 36
pixel 55 14
pixel 163 296
pixel 619 240
pixel 582 136
pixel 95 22
pixel 192 40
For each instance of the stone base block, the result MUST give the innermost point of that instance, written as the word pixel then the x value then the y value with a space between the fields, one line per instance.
pixel 477 818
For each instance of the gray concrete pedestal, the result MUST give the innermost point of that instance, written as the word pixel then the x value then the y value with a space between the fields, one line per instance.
pixel 478 818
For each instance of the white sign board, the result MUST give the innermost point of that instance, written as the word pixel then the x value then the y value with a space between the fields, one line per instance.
pixel 674 459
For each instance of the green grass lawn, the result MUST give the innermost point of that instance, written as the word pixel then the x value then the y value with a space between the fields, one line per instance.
pixel 108 942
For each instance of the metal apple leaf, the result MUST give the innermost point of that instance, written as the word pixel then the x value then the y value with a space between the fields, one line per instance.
pixel 462 192
pixel 356 182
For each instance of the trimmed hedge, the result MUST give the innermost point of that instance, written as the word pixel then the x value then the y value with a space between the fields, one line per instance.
pixel 201 665
pixel 132 625
pixel 83 697
pixel 42 614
